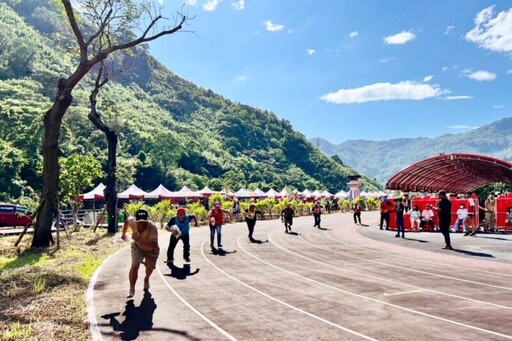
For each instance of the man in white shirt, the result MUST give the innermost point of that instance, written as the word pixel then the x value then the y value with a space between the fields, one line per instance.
pixel 427 216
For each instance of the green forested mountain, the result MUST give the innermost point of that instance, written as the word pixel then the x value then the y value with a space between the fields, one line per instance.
pixel 170 130
pixel 382 159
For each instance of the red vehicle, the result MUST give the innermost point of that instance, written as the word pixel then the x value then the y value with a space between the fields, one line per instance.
pixel 14 215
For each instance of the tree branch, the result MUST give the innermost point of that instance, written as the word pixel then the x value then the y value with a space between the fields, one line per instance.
pixel 78 34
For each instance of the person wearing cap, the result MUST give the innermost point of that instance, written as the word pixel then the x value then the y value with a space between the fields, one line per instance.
pixel 182 221
pixel 427 218
pixel 144 248
pixel 444 212
pixel 250 219
pixel 287 217
pixel 384 212
pixel 217 213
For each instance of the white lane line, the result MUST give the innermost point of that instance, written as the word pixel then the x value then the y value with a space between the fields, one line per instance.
pixel 369 298
pixel 282 302
pixel 406 268
pixel 383 279
pixel 94 327
pixel 197 312
pixel 419 260
pixel 403 293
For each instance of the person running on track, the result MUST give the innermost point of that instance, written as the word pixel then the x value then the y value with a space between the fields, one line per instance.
pixel 182 221
pixel 287 215
pixel 145 248
pixel 250 219
pixel 217 213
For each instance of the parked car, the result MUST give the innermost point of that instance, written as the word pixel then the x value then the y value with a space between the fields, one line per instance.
pixel 14 215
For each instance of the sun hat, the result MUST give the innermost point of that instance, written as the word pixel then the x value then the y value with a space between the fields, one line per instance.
pixel 141 215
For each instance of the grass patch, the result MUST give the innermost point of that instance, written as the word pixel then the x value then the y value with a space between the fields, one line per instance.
pixel 42 291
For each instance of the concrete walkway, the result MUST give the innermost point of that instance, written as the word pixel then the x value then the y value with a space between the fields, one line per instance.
pixel 341 282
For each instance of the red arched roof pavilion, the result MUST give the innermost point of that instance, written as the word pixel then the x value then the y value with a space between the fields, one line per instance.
pixel 454 173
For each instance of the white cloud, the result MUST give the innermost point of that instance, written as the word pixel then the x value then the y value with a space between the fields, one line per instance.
pixel 509 72
pixel 353 34
pixel 400 38
pixel 239 5
pixel 210 5
pixel 428 78
pixel 449 29
pixel 500 106
pixel 492 33
pixel 480 75
pixel 190 2
pixel 387 60
pixel 454 98
pixel 383 92
pixel 273 27
pixel 240 79
pixel 290 31
pixel 310 52
pixel 460 127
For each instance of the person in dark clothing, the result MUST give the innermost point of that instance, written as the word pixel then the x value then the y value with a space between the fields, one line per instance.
pixel 400 225
pixel 250 219
pixel 356 209
pixel 182 222
pixel 317 213
pixel 287 217
pixel 444 211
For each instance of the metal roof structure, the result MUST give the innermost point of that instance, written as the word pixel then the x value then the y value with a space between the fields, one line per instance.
pixel 454 173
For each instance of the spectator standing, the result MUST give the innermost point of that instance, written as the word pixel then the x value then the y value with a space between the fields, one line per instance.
pixel 400 225
pixel 384 212
pixel 489 205
pixel 444 211
pixel 144 248
pixel 182 221
pixel 217 213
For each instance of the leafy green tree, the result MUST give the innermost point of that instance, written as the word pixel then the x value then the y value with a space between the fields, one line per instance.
pixel 78 172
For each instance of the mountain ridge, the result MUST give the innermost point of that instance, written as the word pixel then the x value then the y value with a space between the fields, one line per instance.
pixel 382 159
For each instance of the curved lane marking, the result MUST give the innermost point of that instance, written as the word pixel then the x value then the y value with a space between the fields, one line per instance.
pixel 282 302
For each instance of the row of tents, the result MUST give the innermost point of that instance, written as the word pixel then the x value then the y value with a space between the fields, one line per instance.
pixel 134 192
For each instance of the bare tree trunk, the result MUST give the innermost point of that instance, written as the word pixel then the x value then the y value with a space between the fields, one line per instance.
pixel 110 190
pixel 111 135
pixel 49 192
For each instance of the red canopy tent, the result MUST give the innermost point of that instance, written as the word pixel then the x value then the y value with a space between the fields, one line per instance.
pixel 133 192
pixel 95 194
pixel 455 173
pixel 160 193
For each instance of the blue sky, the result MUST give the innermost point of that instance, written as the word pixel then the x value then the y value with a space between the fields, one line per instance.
pixel 358 69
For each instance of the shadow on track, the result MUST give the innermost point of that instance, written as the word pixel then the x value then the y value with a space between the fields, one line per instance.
pixel 181 273
pixel 221 252
pixel 474 254
pixel 136 319
pixel 258 241
pixel 416 240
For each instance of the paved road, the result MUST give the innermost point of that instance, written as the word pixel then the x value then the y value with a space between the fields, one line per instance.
pixel 344 282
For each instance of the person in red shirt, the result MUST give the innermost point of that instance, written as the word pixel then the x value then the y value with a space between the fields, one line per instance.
pixel 215 219
pixel 385 206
